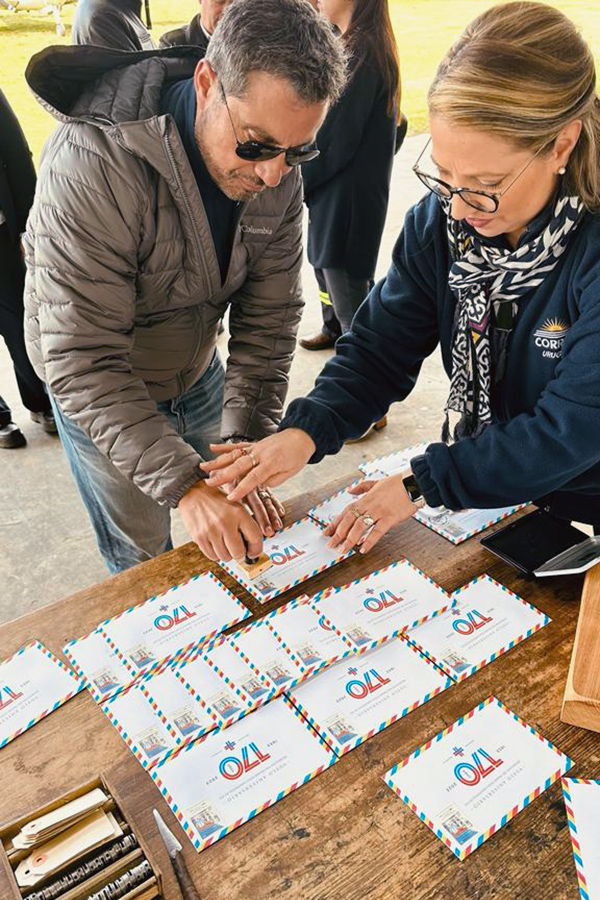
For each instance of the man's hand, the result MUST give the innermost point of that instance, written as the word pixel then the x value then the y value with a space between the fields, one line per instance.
pixel 268 462
pixel 222 530
pixel 381 505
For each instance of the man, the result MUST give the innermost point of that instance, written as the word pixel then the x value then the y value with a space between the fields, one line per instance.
pixel 17 187
pixel 197 32
pixel 111 23
pixel 162 200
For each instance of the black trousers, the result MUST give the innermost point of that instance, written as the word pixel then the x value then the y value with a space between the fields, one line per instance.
pixel 341 294
pixel 12 282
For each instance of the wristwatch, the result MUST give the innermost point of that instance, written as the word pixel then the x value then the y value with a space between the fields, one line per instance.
pixel 412 487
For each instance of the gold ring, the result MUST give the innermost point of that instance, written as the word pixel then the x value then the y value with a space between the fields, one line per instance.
pixel 355 512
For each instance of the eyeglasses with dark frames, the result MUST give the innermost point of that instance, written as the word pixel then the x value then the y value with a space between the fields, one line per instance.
pixel 484 201
pixel 256 151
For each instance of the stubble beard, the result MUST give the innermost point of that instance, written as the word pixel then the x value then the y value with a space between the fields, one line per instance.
pixel 227 180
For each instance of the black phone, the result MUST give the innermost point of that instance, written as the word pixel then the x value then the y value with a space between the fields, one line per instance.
pixel 533 540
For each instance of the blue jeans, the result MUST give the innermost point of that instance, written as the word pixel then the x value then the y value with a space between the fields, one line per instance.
pixel 131 527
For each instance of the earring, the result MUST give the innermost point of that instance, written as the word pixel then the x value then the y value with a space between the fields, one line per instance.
pixel 562 170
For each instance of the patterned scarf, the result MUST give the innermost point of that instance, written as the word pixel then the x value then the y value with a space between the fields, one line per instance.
pixel 489 282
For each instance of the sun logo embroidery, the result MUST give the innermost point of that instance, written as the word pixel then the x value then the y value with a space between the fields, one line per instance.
pixel 471 773
pixel 233 767
pixel 550 336
pixel 8 696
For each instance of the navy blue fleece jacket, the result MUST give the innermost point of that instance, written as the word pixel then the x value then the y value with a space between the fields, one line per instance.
pixel 545 438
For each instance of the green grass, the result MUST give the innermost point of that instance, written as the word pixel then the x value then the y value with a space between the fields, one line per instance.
pixel 424 31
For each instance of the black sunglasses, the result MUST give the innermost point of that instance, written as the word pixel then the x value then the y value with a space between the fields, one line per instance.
pixel 254 151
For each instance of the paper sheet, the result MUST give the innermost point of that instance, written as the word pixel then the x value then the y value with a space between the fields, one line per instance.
pixel 172 623
pixel 33 683
pixel 217 785
pixel 312 641
pixel 354 699
pixel 383 604
pixel 472 778
pixel 487 621
pixel 298 552
pixel 582 801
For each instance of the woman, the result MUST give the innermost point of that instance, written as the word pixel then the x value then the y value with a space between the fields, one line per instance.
pixel 500 264
pixel 347 188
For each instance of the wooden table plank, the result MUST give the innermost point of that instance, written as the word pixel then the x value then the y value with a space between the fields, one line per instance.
pixel 345 834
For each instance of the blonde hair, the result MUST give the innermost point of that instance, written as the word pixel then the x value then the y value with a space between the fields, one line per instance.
pixel 522 71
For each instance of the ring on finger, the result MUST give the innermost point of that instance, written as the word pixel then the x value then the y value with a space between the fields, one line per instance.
pixel 247 452
pixel 355 512
pixel 368 520
pixel 264 494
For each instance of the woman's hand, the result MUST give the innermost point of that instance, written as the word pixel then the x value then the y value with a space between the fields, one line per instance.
pixel 268 462
pixel 382 505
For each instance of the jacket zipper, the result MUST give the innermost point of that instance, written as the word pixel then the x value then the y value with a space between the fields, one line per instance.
pixel 185 200
pixel 188 209
pixel 238 218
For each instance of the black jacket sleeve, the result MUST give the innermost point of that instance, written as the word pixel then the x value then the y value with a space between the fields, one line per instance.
pixel 17 174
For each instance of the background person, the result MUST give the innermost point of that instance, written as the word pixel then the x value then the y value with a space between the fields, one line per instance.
pixel 17 187
pixel 347 188
pixel 191 204
pixel 500 264
pixel 199 31
pixel 111 23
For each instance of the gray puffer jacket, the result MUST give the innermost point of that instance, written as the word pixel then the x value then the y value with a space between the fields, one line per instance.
pixel 123 294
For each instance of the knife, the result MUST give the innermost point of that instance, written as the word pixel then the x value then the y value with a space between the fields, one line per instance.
pixel 174 848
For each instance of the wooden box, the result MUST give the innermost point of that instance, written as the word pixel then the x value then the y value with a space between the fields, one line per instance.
pixel 10 856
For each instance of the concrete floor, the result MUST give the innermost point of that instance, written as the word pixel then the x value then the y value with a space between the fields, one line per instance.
pixel 47 547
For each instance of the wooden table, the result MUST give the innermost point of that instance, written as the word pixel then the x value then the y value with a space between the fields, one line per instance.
pixel 345 835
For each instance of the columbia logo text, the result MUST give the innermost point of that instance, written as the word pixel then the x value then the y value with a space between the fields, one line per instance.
pixel 250 229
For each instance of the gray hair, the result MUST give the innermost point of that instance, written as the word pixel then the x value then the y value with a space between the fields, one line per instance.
pixel 285 38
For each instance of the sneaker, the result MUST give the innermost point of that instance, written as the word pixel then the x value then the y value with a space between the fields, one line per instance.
pixel 46 420
pixel 11 437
